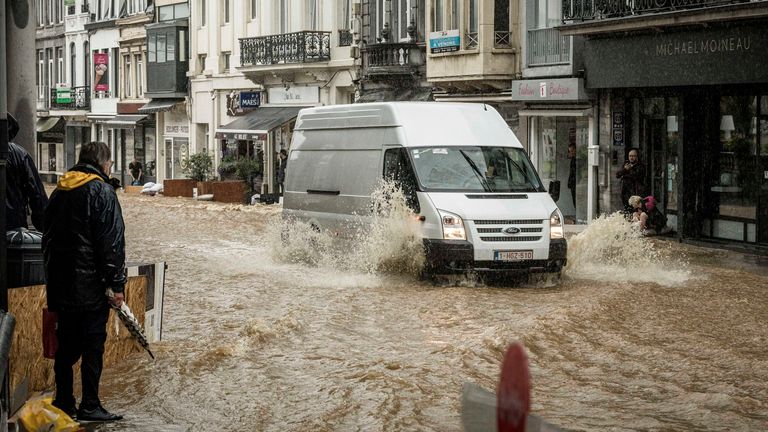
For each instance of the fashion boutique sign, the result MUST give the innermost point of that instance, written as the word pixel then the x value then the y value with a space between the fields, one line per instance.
pixel 715 55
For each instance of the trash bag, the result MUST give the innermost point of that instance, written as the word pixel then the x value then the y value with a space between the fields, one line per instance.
pixel 39 415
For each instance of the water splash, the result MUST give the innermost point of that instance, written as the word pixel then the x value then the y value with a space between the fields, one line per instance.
pixel 387 241
pixel 612 249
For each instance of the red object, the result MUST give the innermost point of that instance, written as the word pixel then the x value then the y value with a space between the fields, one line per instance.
pixel 513 399
pixel 50 343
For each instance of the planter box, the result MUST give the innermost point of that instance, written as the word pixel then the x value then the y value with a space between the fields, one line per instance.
pixel 230 191
pixel 204 187
pixel 178 187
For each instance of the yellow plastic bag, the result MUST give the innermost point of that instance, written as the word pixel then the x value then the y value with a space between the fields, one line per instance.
pixel 39 415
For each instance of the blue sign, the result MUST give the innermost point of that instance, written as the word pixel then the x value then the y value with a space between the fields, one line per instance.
pixel 250 99
pixel 444 41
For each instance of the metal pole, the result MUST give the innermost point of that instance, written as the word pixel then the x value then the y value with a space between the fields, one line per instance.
pixel 5 390
pixel 20 69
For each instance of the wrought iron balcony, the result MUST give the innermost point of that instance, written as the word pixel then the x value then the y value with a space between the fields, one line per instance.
pixel 547 47
pixel 79 99
pixel 345 38
pixel 399 58
pixel 580 10
pixel 298 47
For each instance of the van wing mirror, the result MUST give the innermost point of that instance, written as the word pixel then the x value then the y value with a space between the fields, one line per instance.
pixel 554 190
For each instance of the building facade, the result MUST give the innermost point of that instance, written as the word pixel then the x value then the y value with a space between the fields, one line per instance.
pixel 50 45
pixel 686 84
pixel 254 64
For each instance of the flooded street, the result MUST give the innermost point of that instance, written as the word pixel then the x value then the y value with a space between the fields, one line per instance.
pixel 638 334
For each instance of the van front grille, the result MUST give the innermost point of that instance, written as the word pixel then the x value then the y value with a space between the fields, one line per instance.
pixel 498 230
pixel 497 196
pixel 511 239
pixel 509 222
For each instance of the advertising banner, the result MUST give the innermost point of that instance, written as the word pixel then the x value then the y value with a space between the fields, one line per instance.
pixel 101 71
pixel 444 41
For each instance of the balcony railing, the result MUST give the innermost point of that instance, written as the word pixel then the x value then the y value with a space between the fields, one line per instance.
pixel 473 40
pixel 399 54
pixel 80 99
pixel 298 47
pixel 547 47
pixel 502 39
pixel 345 38
pixel 579 10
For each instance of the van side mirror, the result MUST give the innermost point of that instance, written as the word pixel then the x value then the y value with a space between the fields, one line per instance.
pixel 554 190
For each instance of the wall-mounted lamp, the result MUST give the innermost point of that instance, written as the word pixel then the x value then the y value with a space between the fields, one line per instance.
pixel 672 126
pixel 727 126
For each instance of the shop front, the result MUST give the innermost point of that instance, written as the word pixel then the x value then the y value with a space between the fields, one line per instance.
pixel 51 155
pixel 132 137
pixel 702 135
pixel 558 116
pixel 259 136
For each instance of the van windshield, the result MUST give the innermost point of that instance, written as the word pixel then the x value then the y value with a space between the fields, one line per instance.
pixel 475 169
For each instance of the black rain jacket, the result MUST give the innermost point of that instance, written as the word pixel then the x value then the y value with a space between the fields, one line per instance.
pixel 23 186
pixel 84 241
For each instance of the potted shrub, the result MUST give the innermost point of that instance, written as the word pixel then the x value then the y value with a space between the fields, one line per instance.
pixel 236 191
pixel 200 170
pixel 227 167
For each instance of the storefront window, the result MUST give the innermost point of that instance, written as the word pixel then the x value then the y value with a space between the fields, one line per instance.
pixel 735 185
pixel 150 152
pixel 674 126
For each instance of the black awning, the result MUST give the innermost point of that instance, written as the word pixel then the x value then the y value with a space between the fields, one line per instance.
pixel 257 123
pixel 159 105
pixel 51 129
pixel 419 94
pixel 124 121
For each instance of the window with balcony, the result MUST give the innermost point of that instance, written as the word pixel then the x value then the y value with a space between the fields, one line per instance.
pixel 544 44
pixel 473 24
pixel 438 11
pixel 312 15
pixel 345 22
pixel 72 65
pixel 397 21
pixel 203 13
pixel 86 64
pixel 40 78
pixel 281 16
pixel 501 36
pixel 59 66
pixel 254 8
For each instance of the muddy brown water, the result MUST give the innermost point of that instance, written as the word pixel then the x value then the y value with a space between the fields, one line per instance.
pixel 638 334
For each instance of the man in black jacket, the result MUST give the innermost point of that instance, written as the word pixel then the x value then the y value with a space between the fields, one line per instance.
pixel 84 251
pixel 23 185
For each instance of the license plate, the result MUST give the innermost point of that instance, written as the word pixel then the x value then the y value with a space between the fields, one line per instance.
pixel 512 255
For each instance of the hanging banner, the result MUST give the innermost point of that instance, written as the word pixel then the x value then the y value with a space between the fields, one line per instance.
pixel 101 71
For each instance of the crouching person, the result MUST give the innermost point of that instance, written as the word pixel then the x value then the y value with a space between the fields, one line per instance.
pixel 84 252
pixel 647 215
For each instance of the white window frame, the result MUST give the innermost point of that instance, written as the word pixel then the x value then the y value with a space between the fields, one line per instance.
pixel 127 76
pixel 139 65
pixel 60 65
pixel 254 6
pixel 73 64
pixel 345 14
pixel 41 74
pixel 312 15
pixel 282 16
pixel 203 13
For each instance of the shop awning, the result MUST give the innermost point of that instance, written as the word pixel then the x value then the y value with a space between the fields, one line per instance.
pixel 257 123
pixel 51 129
pixel 125 121
pixel 418 94
pixel 159 105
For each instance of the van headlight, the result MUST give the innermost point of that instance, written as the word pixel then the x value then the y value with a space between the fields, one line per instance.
pixel 453 226
pixel 555 225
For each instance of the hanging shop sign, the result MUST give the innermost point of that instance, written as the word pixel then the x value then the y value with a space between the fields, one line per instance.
pixel 444 41
pixel 239 103
pixel 563 89
pixel 101 71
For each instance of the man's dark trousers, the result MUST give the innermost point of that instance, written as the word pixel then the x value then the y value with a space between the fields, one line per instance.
pixel 80 334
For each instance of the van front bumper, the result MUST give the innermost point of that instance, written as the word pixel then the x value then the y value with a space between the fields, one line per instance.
pixel 455 256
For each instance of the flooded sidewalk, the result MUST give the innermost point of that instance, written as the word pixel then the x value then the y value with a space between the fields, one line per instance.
pixel 639 334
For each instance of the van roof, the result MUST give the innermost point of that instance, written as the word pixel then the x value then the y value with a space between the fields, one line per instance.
pixel 422 123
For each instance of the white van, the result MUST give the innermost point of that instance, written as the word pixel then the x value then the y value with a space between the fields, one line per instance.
pixel 481 204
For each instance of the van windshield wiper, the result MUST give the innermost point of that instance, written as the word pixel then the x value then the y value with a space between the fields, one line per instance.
pixel 476 170
pixel 520 169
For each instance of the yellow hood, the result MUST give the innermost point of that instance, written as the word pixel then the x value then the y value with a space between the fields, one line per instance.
pixel 74 179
